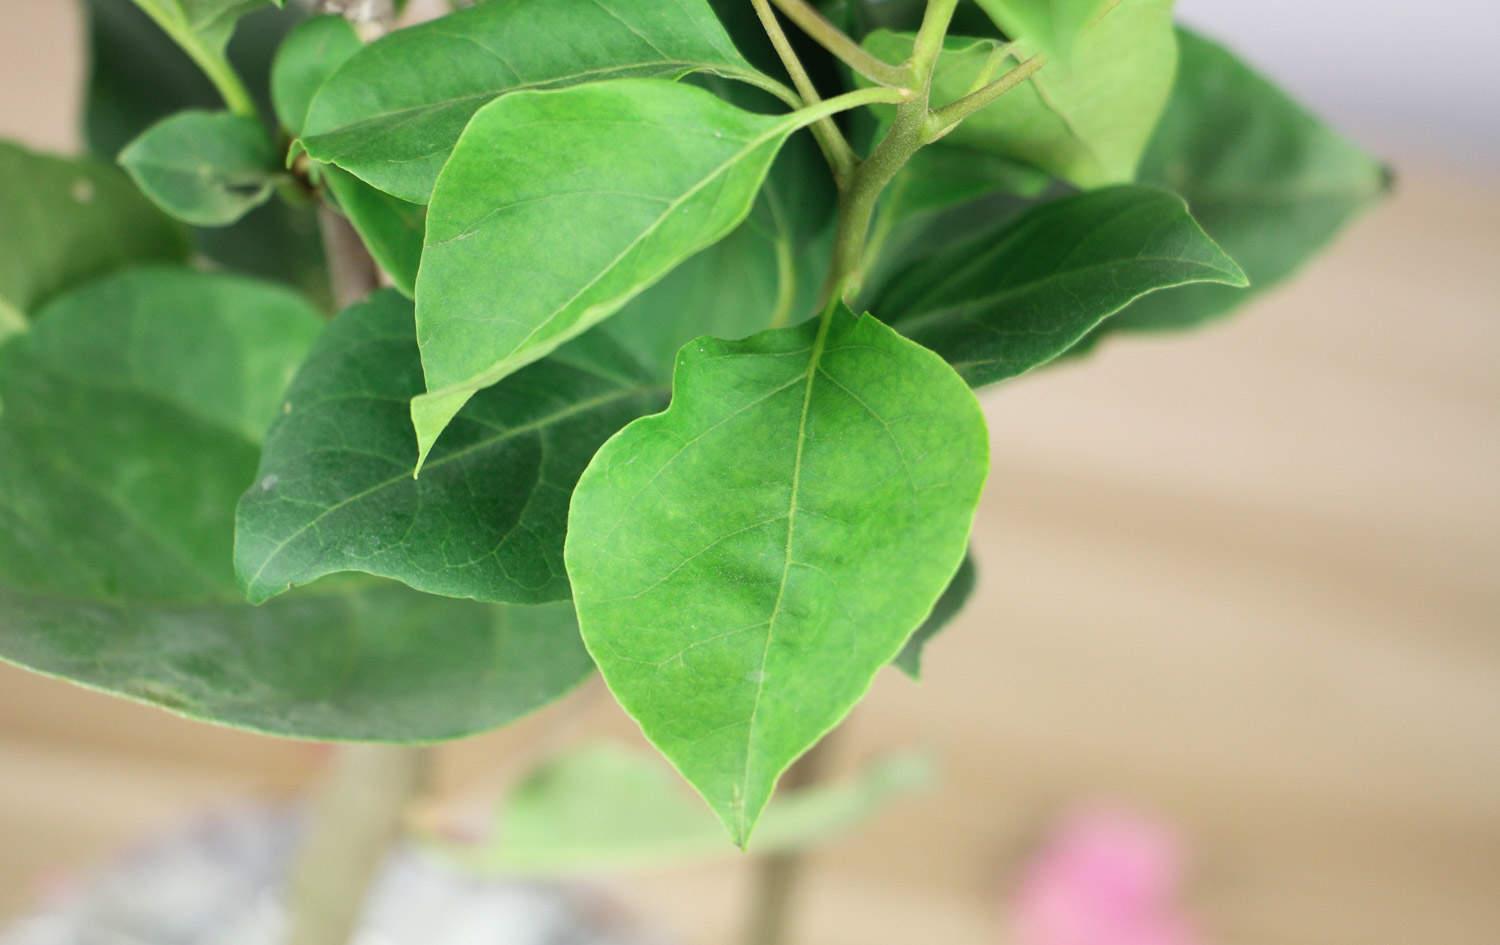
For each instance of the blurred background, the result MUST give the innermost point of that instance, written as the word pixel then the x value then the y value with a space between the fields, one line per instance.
pixel 1243 582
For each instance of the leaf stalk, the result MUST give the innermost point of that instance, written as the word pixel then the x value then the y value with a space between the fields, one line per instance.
pixel 945 119
pixel 836 149
pixel 836 41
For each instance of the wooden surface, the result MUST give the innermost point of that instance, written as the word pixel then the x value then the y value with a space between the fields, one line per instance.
pixel 1245 580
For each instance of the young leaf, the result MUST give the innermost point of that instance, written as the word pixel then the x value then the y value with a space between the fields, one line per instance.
pixel 311 52
pixel 202 29
pixel 960 589
pixel 744 563
pixel 335 490
pixel 206 168
pixel 393 113
pixel 68 220
pixel 559 207
pixel 604 808
pixel 130 423
pixel 139 76
pixel 1086 119
pixel 1273 200
pixel 1052 26
pixel 1005 303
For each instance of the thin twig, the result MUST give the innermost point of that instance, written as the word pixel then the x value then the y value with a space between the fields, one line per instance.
pixel 948 117
pixel 836 149
pixel 833 39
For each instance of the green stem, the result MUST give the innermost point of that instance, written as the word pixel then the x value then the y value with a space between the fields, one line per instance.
pixel 833 39
pixel 835 148
pixel 945 119
pixel 929 42
pixel 214 64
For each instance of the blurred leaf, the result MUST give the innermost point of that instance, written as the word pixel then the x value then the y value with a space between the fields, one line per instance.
pixel 311 53
pixel 69 220
pixel 205 168
pixel 1052 26
pixel 131 422
pixel 605 808
pixel 1268 180
pixel 960 589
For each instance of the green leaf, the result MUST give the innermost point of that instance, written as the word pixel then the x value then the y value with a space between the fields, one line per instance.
pixel 68 220
pixel 138 76
pixel 312 52
pixel 744 563
pixel 131 420
pixel 393 113
pixel 206 168
pixel 335 492
pixel 559 207
pixel 604 808
pixel 960 589
pixel 1273 200
pixel 204 25
pixel 1005 303
pixel 1053 26
pixel 1086 119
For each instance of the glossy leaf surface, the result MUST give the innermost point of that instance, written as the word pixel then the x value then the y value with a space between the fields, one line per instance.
pixel 1005 303
pixel 605 808
pixel 68 220
pixel 394 112
pixel 744 563
pixel 1280 194
pixel 131 418
pixel 1087 119
pixel 559 207
pixel 205 168
pixel 335 492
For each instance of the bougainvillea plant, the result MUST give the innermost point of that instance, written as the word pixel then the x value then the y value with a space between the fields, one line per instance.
pixel 659 330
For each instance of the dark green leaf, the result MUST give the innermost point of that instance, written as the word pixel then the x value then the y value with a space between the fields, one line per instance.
pixel 207 168
pixel 744 563
pixel 486 520
pixel 559 207
pixel 960 589
pixel 1268 180
pixel 606 808
pixel 68 220
pixel 1086 119
pixel 130 422
pixel 1003 304
pixel 393 113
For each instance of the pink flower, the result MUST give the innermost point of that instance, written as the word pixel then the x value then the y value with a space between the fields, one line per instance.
pixel 1105 877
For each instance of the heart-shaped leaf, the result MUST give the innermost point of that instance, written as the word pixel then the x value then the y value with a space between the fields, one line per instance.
pixel 131 415
pixel 746 562
pixel 206 168
pixel 393 113
pixel 68 220
pixel 559 207
pixel 1005 303
pixel 1283 191
pixel 486 521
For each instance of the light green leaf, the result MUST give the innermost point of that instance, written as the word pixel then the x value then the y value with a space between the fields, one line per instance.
pixel 201 28
pixel 130 422
pixel 68 220
pixel 1086 119
pixel 559 207
pixel 311 52
pixel 960 589
pixel 335 492
pixel 206 168
pixel 744 563
pixel 1005 303
pixel 1276 198
pixel 393 113
pixel 392 229
pixel 604 808
pixel 1052 26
